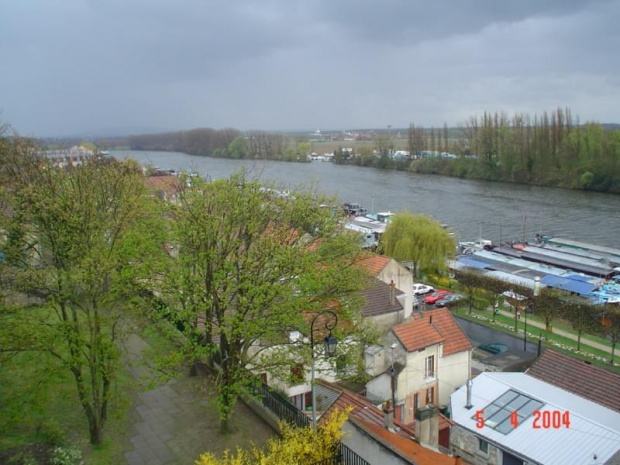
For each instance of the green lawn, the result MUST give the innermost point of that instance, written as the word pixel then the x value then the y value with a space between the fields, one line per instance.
pixel 40 405
pixel 563 344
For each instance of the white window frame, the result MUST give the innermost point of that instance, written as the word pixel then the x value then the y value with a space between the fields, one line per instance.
pixel 429 373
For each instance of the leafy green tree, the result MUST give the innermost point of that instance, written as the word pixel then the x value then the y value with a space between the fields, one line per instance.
pixel 582 316
pixel 420 239
pixel 78 244
pixel 238 148
pixel 609 326
pixel 547 306
pixel 252 263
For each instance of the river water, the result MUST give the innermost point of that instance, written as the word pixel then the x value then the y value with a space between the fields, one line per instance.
pixel 472 208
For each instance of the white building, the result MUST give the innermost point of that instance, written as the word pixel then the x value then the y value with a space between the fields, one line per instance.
pixel 432 357
pixel 553 426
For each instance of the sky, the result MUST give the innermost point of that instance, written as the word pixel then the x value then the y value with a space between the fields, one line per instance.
pixel 105 67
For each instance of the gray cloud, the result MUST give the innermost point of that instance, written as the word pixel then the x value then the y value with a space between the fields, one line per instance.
pixel 76 66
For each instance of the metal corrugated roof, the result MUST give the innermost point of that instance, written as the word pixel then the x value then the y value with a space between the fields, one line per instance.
pixel 593 428
pixel 567 284
pixel 473 263
pixel 511 278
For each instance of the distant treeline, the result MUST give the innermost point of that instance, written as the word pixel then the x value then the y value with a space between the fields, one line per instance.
pixel 551 150
pixel 225 143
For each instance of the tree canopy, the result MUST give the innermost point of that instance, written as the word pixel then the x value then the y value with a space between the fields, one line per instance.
pixel 251 263
pixel 418 238
pixel 75 238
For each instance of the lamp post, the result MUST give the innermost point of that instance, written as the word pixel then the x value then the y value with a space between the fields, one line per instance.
pixel 330 343
pixel 536 292
pixel 393 380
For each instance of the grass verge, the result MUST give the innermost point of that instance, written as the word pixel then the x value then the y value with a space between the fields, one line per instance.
pixel 560 343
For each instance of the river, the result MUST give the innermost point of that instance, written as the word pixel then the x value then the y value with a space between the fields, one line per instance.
pixel 472 208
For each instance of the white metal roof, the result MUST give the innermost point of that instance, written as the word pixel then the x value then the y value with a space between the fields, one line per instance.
pixel 594 429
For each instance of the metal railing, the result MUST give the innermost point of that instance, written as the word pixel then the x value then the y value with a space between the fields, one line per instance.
pixel 343 456
pixel 279 405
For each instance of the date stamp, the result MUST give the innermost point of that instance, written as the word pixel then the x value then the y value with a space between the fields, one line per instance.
pixel 545 419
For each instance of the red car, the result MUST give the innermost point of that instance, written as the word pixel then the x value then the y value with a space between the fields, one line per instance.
pixel 435 296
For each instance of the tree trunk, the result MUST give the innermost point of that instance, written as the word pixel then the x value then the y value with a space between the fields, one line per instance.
pixel 96 432
pixel 613 349
pixel 578 340
pixel 225 425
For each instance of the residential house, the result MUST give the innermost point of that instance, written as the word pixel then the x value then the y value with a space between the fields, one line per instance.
pixel 516 419
pixel 579 377
pixel 374 435
pixel 165 187
pixel 425 360
pixel 388 270
pixel 383 304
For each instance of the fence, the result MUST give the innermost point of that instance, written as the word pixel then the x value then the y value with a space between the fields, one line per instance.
pixel 279 405
pixel 344 456
pixel 285 410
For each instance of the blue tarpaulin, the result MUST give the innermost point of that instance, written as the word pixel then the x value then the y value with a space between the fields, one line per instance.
pixel 568 284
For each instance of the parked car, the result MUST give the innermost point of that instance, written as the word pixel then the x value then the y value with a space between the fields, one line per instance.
pixel 448 300
pixel 494 347
pixel 421 289
pixel 435 296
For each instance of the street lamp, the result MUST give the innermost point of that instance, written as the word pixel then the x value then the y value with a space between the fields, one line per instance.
pixel 536 292
pixel 330 343
pixel 393 380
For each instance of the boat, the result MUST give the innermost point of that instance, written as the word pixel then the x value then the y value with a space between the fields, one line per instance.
pixel 354 209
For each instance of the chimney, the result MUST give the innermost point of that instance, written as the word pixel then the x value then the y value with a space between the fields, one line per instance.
pixel 430 320
pixel 427 425
pixel 392 292
pixel 388 416
pixel 457 460
pixel 470 383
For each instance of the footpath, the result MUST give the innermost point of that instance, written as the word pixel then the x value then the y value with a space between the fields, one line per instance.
pixel 178 421
pixel 535 324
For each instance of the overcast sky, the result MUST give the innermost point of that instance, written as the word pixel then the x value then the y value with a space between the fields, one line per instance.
pixel 109 66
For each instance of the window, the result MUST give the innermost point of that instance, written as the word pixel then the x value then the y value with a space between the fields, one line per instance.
pixel 429 367
pixel 483 446
pixel 416 402
pixel 430 395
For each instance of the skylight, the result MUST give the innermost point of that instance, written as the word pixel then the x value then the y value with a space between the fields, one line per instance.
pixel 497 415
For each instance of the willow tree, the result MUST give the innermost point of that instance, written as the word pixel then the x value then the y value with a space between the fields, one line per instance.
pixel 75 240
pixel 252 263
pixel 421 239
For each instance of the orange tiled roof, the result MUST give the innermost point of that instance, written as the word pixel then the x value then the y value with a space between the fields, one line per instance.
pixel 407 447
pixel 365 415
pixel 363 409
pixel 167 184
pixel 433 327
pixel 374 263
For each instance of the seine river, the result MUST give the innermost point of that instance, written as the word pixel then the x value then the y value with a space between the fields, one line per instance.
pixel 472 208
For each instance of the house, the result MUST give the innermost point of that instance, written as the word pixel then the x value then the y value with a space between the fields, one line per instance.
pixel 375 436
pixel 388 270
pixel 429 357
pixel 383 304
pixel 579 377
pixel 516 419
pixel 166 187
